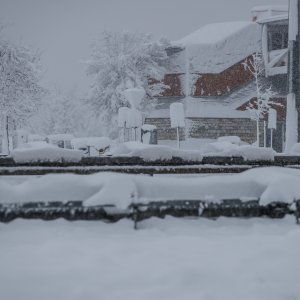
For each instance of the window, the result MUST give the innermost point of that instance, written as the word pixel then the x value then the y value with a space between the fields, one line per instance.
pixel 278 37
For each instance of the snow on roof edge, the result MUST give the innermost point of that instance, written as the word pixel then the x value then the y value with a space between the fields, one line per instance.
pixel 282 17
pixel 261 8
pixel 213 33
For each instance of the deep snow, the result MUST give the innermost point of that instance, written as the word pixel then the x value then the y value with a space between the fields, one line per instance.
pixel 171 259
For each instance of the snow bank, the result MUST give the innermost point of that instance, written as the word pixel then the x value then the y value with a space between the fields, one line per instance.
pixel 46 154
pixel 268 184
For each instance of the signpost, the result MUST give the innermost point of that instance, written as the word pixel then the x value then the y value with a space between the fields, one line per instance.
pixel 272 122
pixel 177 119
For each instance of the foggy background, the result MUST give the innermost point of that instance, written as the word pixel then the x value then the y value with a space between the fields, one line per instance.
pixel 65 29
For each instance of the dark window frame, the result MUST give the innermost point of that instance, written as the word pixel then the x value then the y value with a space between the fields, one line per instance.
pixel 277 37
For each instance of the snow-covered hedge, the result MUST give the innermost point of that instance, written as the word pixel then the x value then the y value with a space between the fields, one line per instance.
pixel 268 184
pixel 46 154
pixel 219 148
pixel 154 152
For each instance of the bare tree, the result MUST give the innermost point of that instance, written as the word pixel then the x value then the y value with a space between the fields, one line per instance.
pixel 260 107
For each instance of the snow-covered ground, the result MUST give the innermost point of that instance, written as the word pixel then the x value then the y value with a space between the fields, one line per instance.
pixel 171 259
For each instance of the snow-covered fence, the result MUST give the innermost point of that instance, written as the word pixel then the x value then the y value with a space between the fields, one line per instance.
pixel 138 165
pixel 137 212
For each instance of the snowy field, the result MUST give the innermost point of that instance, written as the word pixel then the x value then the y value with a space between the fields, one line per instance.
pixel 164 259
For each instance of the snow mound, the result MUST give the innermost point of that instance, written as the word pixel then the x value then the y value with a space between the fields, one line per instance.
pixel 46 154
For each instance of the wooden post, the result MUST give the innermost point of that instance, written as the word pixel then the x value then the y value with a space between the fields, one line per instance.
pixel 271 138
pixel 7 135
pixel 265 134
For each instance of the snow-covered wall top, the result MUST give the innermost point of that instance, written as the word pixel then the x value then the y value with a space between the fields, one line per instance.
pixel 215 47
pixel 225 107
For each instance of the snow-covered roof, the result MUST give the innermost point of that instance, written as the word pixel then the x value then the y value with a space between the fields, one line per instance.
pixel 216 47
pixel 218 107
pixel 283 17
pixel 265 12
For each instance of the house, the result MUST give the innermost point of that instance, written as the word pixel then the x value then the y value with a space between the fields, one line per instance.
pixel 207 74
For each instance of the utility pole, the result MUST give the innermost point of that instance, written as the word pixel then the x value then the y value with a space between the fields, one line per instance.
pixel 293 99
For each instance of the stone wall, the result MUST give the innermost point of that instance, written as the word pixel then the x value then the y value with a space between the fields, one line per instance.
pixel 211 128
pixel 207 128
pixel 164 130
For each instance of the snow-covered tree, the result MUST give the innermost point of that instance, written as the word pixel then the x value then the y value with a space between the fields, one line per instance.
pixel 260 107
pixel 60 112
pixel 121 61
pixel 20 73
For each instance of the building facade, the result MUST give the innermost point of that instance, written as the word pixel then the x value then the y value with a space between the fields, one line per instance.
pixel 208 73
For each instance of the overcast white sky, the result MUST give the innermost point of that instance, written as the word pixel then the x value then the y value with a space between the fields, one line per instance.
pixel 64 29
